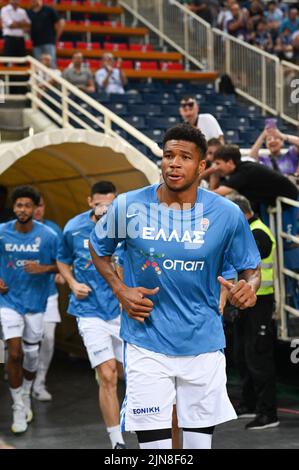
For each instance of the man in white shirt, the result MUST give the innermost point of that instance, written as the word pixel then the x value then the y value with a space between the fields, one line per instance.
pixel 110 79
pixel 209 126
pixel 15 24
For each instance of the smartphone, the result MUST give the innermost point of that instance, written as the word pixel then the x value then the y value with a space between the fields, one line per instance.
pixel 270 123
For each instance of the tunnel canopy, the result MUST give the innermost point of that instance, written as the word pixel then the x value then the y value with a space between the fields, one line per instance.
pixel 64 163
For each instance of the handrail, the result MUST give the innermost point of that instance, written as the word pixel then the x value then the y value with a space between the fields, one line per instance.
pixel 258 75
pixel 283 307
pixel 63 111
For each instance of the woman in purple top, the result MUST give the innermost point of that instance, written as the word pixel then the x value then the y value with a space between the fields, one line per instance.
pixel 287 163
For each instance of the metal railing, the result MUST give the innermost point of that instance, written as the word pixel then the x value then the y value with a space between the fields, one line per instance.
pixel 289 92
pixel 259 77
pixel 283 296
pixel 177 26
pixel 255 73
pixel 62 102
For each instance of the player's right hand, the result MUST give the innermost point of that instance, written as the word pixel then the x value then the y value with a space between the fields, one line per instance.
pixel 80 291
pixel 3 287
pixel 135 303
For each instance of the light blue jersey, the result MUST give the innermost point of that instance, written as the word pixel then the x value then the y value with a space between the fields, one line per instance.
pixel 58 231
pixel 28 293
pixel 75 251
pixel 182 253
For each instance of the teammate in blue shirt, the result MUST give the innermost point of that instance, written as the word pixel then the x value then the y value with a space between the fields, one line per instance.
pixel 51 317
pixel 28 252
pixel 93 303
pixel 177 237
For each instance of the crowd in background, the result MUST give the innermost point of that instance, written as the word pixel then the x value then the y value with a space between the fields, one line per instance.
pixel 272 26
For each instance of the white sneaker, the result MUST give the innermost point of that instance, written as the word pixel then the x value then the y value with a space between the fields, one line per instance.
pixel 27 403
pixel 41 394
pixel 19 424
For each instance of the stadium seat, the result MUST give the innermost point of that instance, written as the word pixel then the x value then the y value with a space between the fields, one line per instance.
pixel 171 66
pixel 150 65
pixel 111 46
pixel 64 45
pixel 137 122
pixel 141 47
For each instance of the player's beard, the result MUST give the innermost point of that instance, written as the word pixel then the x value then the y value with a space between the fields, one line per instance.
pixel 25 221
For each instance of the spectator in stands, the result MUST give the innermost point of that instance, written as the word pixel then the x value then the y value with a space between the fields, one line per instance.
pixel 202 8
pixel 254 335
pixel 256 13
pixel 225 15
pixel 291 23
pixel 6 213
pixel 209 126
pixel 43 78
pixel 238 25
pixel 210 174
pixel 260 184
pixel 79 75
pixel 15 24
pixel 288 163
pixel 295 43
pixel 110 79
pixel 262 38
pixel 273 16
pixel 46 29
pixel 284 45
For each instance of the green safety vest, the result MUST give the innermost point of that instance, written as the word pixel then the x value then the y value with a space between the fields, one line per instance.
pixel 267 284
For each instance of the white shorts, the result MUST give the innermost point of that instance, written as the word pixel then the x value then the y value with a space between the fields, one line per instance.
pixel 101 339
pixel 154 381
pixel 52 314
pixel 29 327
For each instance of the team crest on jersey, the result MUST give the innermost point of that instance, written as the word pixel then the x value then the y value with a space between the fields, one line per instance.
pixel 151 261
pixel 204 225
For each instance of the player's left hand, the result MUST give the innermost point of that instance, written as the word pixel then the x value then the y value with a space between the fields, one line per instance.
pixel 32 267
pixel 240 295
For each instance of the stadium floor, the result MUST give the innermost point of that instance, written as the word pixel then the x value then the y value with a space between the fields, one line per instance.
pixel 72 420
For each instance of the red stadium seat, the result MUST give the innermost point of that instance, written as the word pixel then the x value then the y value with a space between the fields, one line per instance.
pixel 111 46
pixel 141 47
pixel 28 44
pixel 63 63
pixel 171 66
pixel 64 45
pixel 127 64
pixel 146 65
pixel 93 63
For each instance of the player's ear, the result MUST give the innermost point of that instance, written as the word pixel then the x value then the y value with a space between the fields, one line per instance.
pixel 89 201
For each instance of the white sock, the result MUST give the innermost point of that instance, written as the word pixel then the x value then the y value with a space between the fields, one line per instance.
pixel 163 444
pixel 27 385
pixel 197 440
pixel 16 394
pixel 115 435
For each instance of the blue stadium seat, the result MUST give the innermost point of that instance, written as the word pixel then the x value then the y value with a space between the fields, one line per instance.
pixel 137 121
pixel 232 137
pixel 156 135
pixel 118 108
pixel 142 110
pixel 163 123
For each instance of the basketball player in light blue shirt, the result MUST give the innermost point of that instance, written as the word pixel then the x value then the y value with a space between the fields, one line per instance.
pixel 177 238
pixel 28 253
pixel 94 305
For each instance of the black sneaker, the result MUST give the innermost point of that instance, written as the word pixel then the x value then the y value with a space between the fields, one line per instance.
pixel 244 412
pixel 262 422
pixel 120 446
